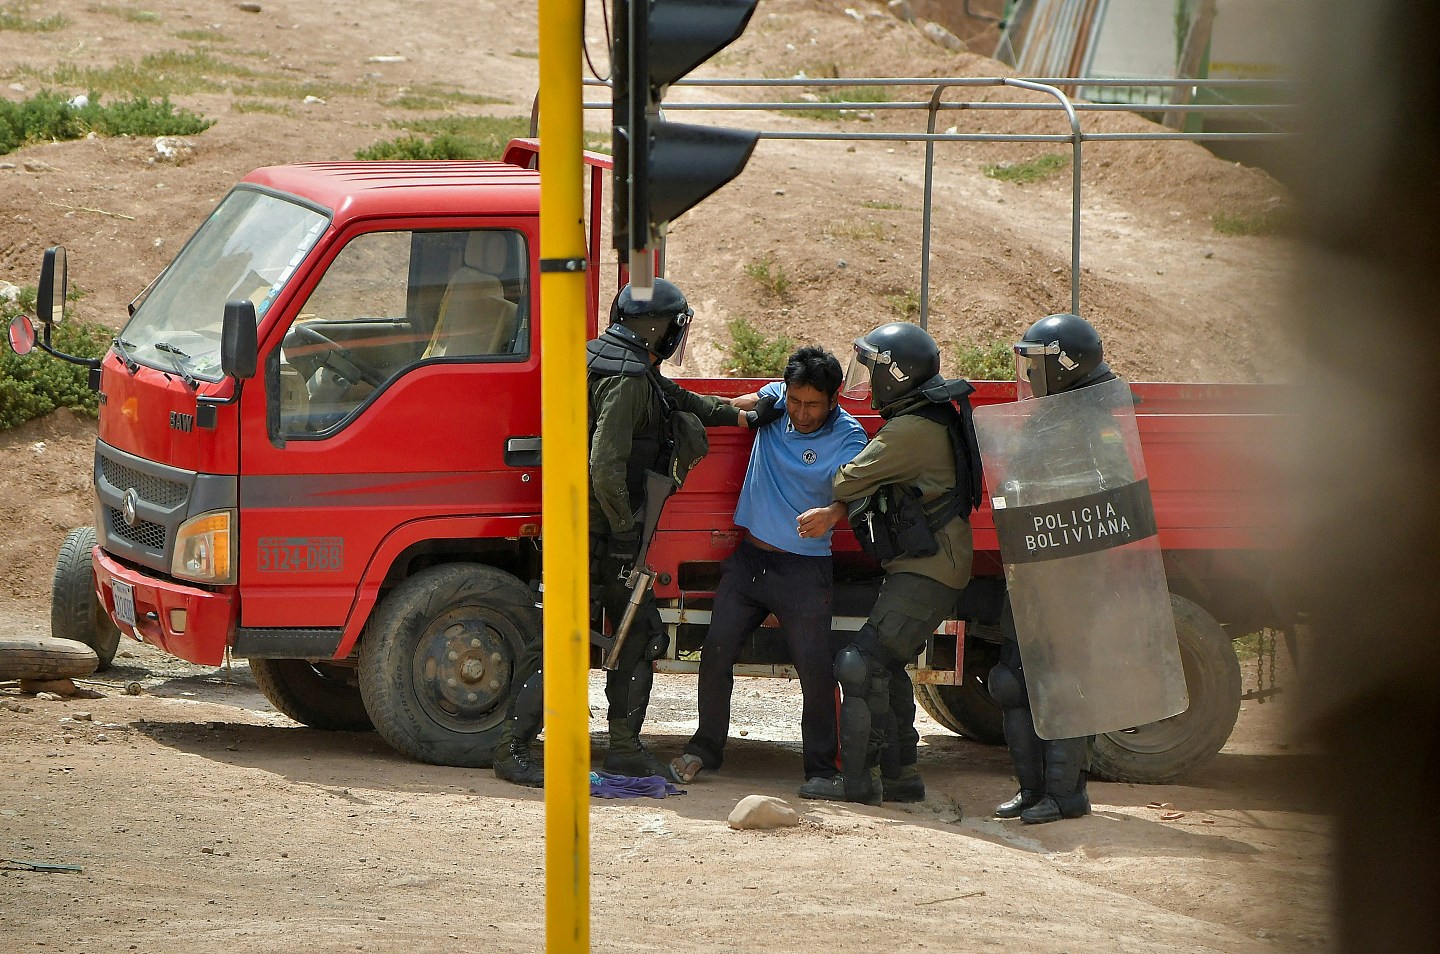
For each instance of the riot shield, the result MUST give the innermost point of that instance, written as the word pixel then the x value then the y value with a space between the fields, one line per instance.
pixel 1082 561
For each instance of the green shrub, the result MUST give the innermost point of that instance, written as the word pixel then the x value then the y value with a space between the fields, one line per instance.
pixel 413 147
pixel 37 384
pixel 49 116
pixel 125 13
pixel 1265 222
pixel 992 362
pixel 844 94
pixel 433 96
pixel 156 74
pixel 454 137
pixel 202 36
pixel 262 106
pixel 769 274
pixel 1030 171
pixel 13 17
pixel 752 355
pixel 855 230
pixel 906 304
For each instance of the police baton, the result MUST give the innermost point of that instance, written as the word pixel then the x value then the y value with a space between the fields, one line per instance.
pixel 640 577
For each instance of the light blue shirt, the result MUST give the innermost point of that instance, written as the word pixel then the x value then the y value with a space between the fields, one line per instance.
pixel 791 473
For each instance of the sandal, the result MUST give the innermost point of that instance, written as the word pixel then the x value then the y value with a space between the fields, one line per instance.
pixel 684 768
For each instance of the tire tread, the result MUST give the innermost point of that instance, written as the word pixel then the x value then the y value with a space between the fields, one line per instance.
pixel 75 613
pixel 1220 670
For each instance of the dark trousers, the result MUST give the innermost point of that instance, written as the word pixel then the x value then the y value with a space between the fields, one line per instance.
pixel 797 589
pixel 627 687
pixel 909 608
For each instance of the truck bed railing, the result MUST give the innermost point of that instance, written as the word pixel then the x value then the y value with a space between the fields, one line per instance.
pixel 1265 111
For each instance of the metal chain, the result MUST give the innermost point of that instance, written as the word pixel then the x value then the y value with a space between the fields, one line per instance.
pixel 1260 666
pixel 1270 633
pixel 1264 649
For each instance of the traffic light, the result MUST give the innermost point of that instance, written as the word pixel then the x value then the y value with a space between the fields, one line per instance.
pixel 661 169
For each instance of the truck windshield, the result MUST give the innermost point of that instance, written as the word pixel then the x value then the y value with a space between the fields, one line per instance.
pixel 248 248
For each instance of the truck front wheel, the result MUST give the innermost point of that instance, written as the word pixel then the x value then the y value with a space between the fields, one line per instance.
pixel 1165 750
pixel 438 660
pixel 319 695
pixel 75 613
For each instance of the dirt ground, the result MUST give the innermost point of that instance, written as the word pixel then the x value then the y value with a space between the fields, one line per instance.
pixel 204 821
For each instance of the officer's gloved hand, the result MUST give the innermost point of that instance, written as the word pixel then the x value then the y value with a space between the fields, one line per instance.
pixel 624 547
pixel 768 411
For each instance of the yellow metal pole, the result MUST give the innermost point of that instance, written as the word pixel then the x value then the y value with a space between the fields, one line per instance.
pixel 565 496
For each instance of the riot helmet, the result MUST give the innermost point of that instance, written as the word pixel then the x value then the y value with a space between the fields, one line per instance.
pixel 1058 353
pixel 658 325
pixel 890 362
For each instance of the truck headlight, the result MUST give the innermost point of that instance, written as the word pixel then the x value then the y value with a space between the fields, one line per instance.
pixel 204 548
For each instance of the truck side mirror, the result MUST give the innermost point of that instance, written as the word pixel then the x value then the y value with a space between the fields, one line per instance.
pixel 54 279
pixel 239 342
pixel 22 335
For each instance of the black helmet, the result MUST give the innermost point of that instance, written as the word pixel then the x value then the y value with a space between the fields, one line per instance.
pixel 890 362
pixel 657 325
pixel 1059 353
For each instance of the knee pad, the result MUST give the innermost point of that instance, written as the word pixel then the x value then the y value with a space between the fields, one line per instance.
pixel 1006 688
pixel 852 671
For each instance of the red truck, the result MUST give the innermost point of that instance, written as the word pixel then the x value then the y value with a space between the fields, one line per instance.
pixel 319 449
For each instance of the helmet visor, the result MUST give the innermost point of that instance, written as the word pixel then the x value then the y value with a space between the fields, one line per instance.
pixel 1030 378
pixel 671 346
pixel 857 372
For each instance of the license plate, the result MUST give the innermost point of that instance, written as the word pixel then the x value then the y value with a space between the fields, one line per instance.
pixel 124 602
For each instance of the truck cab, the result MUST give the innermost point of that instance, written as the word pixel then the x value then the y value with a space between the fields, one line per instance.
pixel 391 424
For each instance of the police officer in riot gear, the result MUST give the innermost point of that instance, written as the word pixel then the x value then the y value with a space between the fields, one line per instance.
pixel 910 492
pixel 635 426
pixel 1057 354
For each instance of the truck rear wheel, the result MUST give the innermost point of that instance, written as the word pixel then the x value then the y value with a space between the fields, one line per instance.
pixel 1165 750
pixel 319 695
pixel 75 613
pixel 438 661
pixel 967 709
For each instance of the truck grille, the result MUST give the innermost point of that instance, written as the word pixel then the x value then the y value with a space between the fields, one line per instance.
pixel 164 498
pixel 156 490
pixel 144 533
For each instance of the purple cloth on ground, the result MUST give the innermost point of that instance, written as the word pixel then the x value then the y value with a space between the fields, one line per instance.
pixel 609 785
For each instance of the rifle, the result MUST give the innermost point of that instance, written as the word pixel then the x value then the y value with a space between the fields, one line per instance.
pixel 640 577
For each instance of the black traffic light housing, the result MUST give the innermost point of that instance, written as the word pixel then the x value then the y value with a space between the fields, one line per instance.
pixel 662 169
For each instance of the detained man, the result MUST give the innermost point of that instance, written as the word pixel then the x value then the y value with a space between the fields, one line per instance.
pixel 782 567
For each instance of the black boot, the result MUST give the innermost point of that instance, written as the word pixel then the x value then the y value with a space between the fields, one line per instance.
pixel 1027 753
pixel 627 755
pixel 864 788
pixel 512 761
pixel 1017 805
pixel 905 786
pixel 1065 796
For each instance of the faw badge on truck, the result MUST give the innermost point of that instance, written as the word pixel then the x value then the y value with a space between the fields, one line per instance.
pixel 1082 561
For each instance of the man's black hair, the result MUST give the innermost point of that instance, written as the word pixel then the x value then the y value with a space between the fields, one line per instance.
pixel 814 366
